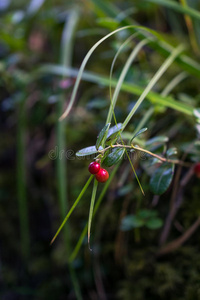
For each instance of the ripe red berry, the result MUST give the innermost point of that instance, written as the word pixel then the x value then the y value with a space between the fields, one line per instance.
pixel 102 175
pixel 94 167
pixel 197 170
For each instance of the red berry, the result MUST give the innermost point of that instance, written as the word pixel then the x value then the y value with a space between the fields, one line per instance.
pixel 94 167
pixel 197 170
pixel 102 175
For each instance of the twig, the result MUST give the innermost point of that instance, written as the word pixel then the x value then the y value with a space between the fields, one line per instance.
pixel 163 159
pixel 175 206
pixel 178 242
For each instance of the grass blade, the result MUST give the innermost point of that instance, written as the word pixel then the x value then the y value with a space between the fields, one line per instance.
pixel 94 191
pixel 153 97
pixel 177 7
pixel 72 208
pixel 123 75
pixel 153 81
pixel 80 73
pixel 96 207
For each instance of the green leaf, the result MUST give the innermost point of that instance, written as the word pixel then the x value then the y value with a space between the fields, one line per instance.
pixel 171 151
pixel 154 223
pixel 113 133
pixel 139 132
pixel 146 214
pixel 114 157
pixel 108 23
pixel 157 140
pixel 130 222
pixel 102 136
pixel 88 151
pixel 72 208
pixel 94 191
pixel 162 178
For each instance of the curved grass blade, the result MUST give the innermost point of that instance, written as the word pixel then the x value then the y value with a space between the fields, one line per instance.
pixel 72 208
pixel 123 45
pixel 173 83
pixel 153 81
pixel 94 191
pixel 147 30
pixel 126 67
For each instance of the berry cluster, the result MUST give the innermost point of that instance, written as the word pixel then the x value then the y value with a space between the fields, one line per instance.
pixel 100 173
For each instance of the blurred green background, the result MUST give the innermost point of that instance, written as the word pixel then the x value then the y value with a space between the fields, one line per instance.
pixel 38 183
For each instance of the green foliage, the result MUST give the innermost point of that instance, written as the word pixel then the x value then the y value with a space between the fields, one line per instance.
pixel 146 218
pixel 136 77
pixel 162 178
pixel 114 157
pixel 102 136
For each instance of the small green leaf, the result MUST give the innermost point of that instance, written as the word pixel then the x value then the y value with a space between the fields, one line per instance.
pixel 88 151
pixel 114 157
pixel 157 140
pixel 113 133
pixel 139 132
pixel 162 178
pixel 102 136
pixel 130 222
pixel 154 223
pixel 146 214
pixel 171 151
pixel 114 130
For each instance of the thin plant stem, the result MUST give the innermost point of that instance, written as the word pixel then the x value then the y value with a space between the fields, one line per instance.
pixel 137 148
pixel 61 163
pixel 190 27
pixel 21 181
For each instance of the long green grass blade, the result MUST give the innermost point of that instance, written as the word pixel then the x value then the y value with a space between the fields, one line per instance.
pixel 153 81
pixel 123 45
pixel 122 77
pixel 72 208
pixel 153 97
pixel 150 32
pixel 161 46
pixel 94 191
pixel 173 83
pixel 96 207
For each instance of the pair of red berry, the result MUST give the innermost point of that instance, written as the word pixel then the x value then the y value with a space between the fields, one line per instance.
pixel 100 174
